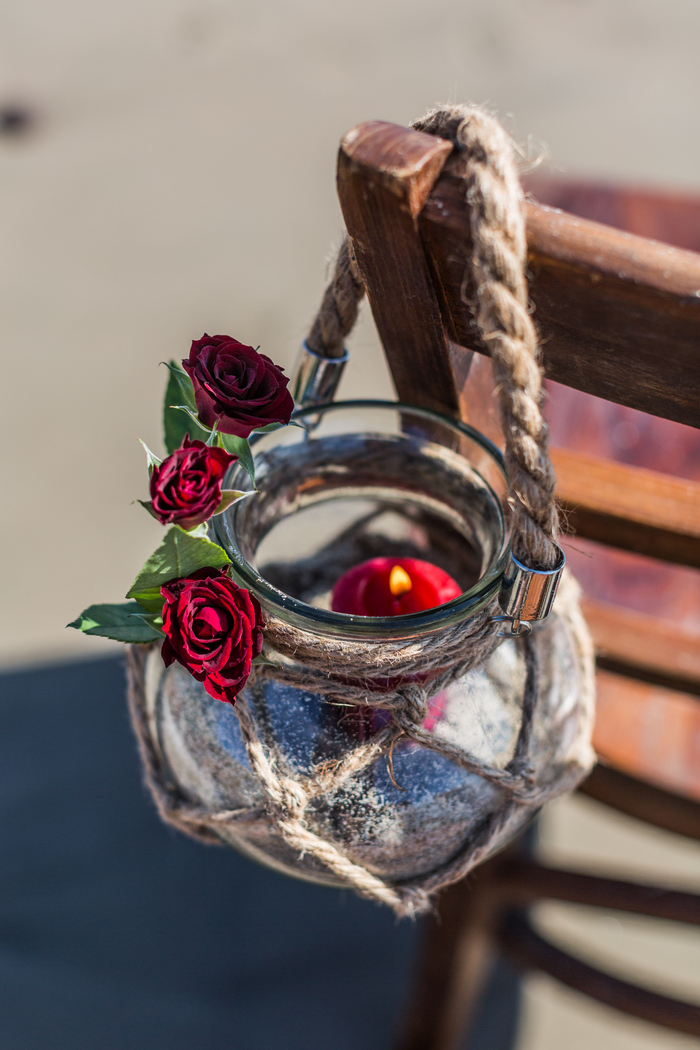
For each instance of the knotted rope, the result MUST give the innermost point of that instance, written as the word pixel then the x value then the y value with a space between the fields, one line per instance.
pixel 288 796
pixel 383 675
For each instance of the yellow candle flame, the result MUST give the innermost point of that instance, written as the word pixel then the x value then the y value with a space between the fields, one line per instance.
pixel 399 581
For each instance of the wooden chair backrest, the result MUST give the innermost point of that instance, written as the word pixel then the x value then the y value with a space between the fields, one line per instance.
pixel 619 318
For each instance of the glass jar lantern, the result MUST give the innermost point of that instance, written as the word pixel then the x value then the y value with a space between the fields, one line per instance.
pixel 354 481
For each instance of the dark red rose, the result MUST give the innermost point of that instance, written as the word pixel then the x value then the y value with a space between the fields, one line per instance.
pixel 236 387
pixel 186 487
pixel 213 628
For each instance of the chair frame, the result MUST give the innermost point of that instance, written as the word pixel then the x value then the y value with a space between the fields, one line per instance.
pixel 619 317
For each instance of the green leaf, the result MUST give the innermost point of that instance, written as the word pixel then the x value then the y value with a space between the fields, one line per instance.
pixel 199 530
pixel 151 600
pixel 124 622
pixel 183 384
pixel 153 620
pixel 193 416
pixel 229 496
pixel 175 423
pixel 203 432
pixel 179 554
pixel 148 505
pixel 262 661
pixel 240 447
pixel 151 458
pixel 269 429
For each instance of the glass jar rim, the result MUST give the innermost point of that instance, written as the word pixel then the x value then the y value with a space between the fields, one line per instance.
pixel 375 628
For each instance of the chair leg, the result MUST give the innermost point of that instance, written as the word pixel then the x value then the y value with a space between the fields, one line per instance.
pixel 456 957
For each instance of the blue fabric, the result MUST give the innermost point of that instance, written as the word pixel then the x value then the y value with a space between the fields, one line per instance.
pixel 119 934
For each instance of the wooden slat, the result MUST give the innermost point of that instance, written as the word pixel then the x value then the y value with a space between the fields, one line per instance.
pixel 456 954
pixel 647 802
pixel 618 315
pixel 630 507
pixel 456 940
pixel 385 174
pixel 530 951
pixel 523 881
pixel 663 215
pixel 646 647
pixel 649 732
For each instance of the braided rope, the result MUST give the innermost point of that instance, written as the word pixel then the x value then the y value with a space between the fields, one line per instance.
pixel 505 326
pixel 499 257
pixel 338 311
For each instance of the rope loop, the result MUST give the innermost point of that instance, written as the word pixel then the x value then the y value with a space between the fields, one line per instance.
pixel 502 313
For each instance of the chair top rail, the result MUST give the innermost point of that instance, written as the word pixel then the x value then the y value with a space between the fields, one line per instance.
pixel 618 315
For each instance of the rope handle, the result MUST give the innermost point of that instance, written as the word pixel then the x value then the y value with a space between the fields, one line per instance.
pixel 502 315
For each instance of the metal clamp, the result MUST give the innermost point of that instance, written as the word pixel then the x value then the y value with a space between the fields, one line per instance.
pixel 515 628
pixel 527 595
pixel 316 378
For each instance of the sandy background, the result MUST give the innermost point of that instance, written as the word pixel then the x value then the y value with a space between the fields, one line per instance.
pixel 179 177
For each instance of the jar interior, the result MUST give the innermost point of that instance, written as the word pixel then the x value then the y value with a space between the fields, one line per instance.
pixel 364 480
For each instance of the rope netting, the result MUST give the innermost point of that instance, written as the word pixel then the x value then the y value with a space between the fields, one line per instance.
pixel 305 661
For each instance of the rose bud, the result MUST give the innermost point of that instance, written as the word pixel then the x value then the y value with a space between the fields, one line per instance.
pixel 236 387
pixel 213 628
pixel 186 487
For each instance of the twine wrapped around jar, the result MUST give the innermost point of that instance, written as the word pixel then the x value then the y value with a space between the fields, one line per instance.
pixel 399 677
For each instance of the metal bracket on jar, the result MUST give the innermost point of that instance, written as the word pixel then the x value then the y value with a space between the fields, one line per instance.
pixel 316 378
pixel 527 595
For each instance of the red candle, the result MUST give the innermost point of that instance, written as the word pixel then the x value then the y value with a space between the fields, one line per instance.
pixel 393 587
pixel 390 587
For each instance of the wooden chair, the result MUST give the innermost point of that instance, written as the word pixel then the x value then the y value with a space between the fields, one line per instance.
pixel 619 318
